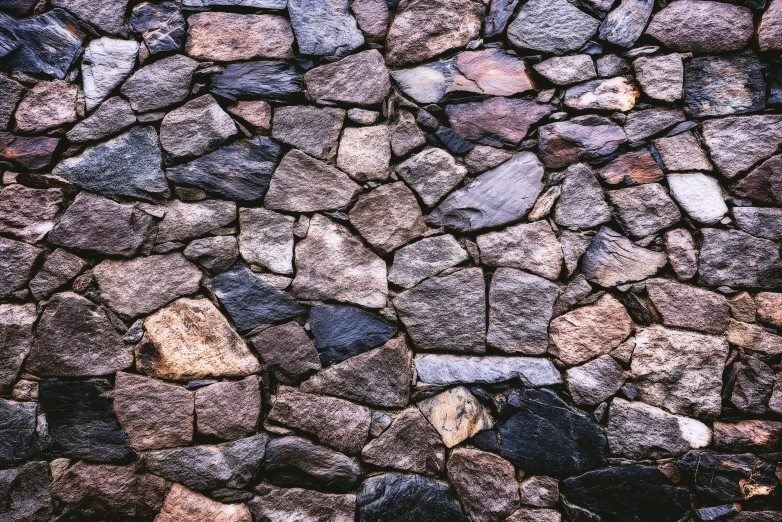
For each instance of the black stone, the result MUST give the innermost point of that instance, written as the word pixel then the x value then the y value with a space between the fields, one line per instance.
pixel 240 171
pixel 81 422
pixel 161 25
pixel 724 85
pixel 267 79
pixel 394 497
pixel 46 45
pixel 296 462
pixel 342 331
pixel 453 141
pixel 249 301
pixel 627 494
pixel 17 432
pixel 548 437
pixel 17 7
pixel 725 478
pixel 25 493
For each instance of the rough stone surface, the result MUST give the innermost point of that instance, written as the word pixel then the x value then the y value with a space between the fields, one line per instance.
pixel 28 214
pixel 682 152
pixel 612 259
pixel 273 503
pixel 724 85
pixel 113 116
pixel 27 492
pixel 687 306
pixel 287 351
pixel 365 152
pixel 582 138
pixel 241 398
pixel 16 265
pixel 624 25
pixel 343 331
pixel 645 209
pixel 432 173
pixel 388 217
pixel 595 381
pixel 425 258
pixel 618 94
pixel 553 27
pixel 47 106
pixel 459 369
pixel 394 496
pixel 293 461
pixel 533 247
pixel 485 483
pixel 760 222
pixel 106 64
pixel 699 195
pixel 183 504
pixel 682 255
pixel 734 258
pixel 229 37
pixel 195 128
pixel 163 83
pixel 496 121
pixel 16 337
pixel 313 130
pixel 456 415
pixel 266 239
pixel 565 70
pixel 324 28
pixel 162 26
pixel 661 77
pixel 360 79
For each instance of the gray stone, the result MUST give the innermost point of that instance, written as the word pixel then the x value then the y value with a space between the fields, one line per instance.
pixel 582 203
pixel 359 79
pixel 624 25
pixel 230 37
pixel 565 70
pixel 482 158
pixel 576 291
pixel 538 491
pixel 769 35
pixel 396 496
pixel 552 27
pixel 273 79
pixel 699 195
pixel 520 307
pixel 574 244
pixel 10 95
pixel 106 64
pixel 579 139
pixel 425 258
pixel 446 313
pixel 405 136
pixel 160 84
pixel 760 222
pixel 734 258
pixel 724 85
pixel 266 239
pixel 113 116
pixel 27 213
pixel 344 331
pixel 497 197
pixel 736 144
pixel 197 127
pixel 108 16
pixel 294 461
pixel 432 173
pixel 241 398
pixel 27 493
pixel 682 255
pixel 16 265
pixel 128 165
pixel 645 209
pixel 485 483
pixel 60 268
pixel 183 221
pixel 661 77
pixel 365 152
pixel 682 152
pixel 643 124
pixel 612 65
pixel 687 306
pixel 314 130
pixel 667 362
pixel 461 369
pixel 612 260
pixel 17 429
pixel 16 338
pixel 287 351
pixel 753 386
pixel 324 28
pixel 596 381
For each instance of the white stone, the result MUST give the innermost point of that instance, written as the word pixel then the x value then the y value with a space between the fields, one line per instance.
pixel 107 62
pixel 699 195
pixel 456 369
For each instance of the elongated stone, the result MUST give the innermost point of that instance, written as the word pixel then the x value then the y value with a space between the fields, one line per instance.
pixel 648 122
pixel 294 461
pixel 181 503
pixel 612 259
pixel 632 168
pixel 462 369
pixel 425 258
pixel 113 116
pixel 496 121
pixel 11 95
pixel 270 79
pixel 16 338
pixel 395 496
pixel 16 264
pixel 108 16
pixel 689 307
pixel 564 70
pixel 760 222
pixel 33 153
pixel 624 25
pixel 581 138
pixel 611 94
pixel 230 37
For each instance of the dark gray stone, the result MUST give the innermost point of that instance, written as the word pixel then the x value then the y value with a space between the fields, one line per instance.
pixel 551 26
pixel 752 387
pixel 161 25
pixel 724 85
pixel 294 461
pixel 114 115
pixel 624 25
pixel 394 497
pixel 760 222
pixel 727 478
pixel 645 209
pixel 163 83
pixel 18 441
pixel 500 12
pixel 26 493
pixel 646 123
pixel 213 254
pixel 737 259
pixel 265 79
pixel 343 331
pixel 16 265
pixel 107 16
pixel 324 27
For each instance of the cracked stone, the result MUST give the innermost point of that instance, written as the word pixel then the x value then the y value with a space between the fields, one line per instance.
pixel 162 26
pixel 624 25
pixel 753 386
pixel 107 63
pixel 632 169
pixel 16 265
pixel 459 369
pixel 456 415
pixel 760 222
pixel 611 94
pixel 108 16
pixel 16 338
pixel 183 221
pixel 59 269
pixel 396 496
pixel 27 213
pixel 273 503
pixel 527 246
pixel 736 144
pixel 724 85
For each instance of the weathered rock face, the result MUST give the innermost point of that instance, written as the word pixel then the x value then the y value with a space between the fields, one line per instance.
pixel 47 106
pixel 617 94
pixel 645 209
pixel 459 369
pixel 113 116
pixel 243 398
pixel 688 307
pixel 394 496
pixel 162 26
pixel 287 351
pixel 16 265
pixel 485 484
pixel 324 28
pixel 432 173
pixel 724 85
pixel 272 502
pixel 425 258
pixel 276 79
pixel 595 381
pixel 388 217
pixel 343 331
pixel 582 138
pixel 27 490
pixel 28 153
pixel 16 336
pixel 360 79
pixel 612 259
pixel 456 414
pixel 195 128
pixel 228 37
pixel 28 214
pixel 294 461
pixel 553 27
pixel 581 204
pixel 160 84
pixel 496 121
pixel 181 503
pixel 734 258
pixel 18 431
pixel 312 130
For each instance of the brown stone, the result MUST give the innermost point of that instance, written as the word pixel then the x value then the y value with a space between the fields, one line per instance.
pixel 743 308
pixel 456 415
pixel 229 410
pixel 682 255
pixel 581 138
pixel 304 505
pixel 47 106
pixel 753 337
pixel 388 217
pixel 190 339
pixel 365 152
pixel 645 209
pixel 359 79
pixel 256 113
pixel 230 37
pixel 747 436
pixel 764 183
pixel 183 504
pixel 286 351
pixel 590 331
pixel 769 308
pixel 28 213
pixel 496 121
pixel 535 515
pixel 312 130
pixel 631 169
pixel 539 491
pixel 528 246
pixel 31 153
pixel 612 260
pixel 492 72
pixel 485 483
pixel 405 135
pixel 770 28
pixel 611 94
pixel 682 152
pixel 153 414
pixel 687 306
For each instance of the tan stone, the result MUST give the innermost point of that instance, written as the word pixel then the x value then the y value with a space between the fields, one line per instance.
pixel 753 337
pixel 365 152
pixel 182 505
pixel 256 113
pixel 456 415
pixel 743 307
pixel 769 308
pixel 229 37
pixel 46 106
pixel 747 436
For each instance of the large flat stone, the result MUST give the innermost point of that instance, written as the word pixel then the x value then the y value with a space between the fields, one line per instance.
pixel 231 37
pixel 312 130
pixel 388 217
pixel 27 213
pixel 691 25
pixel 462 369
pixel 612 260
pixel 687 306
pixel 395 496
pixel 359 79
pixel 161 84
pixel 106 64
pixel 295 461
pixel 425 258
pixel 553 27
pixel 734 258
pixel 432 173
pixel 736 144
pixel 496 121
pixel 724 85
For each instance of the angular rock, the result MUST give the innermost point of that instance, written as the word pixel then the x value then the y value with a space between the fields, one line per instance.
pixel 724 85
pixel 342 332
pixel 183 221
pixel 753 337
pixel 388 217
pixel 27 493
pixel 27 213
pixel 769 308
pixel 113 116
pixel 612 260
pixel 359 79
pixel 331 263
pixel 183 504
pixel 153 414
pixel 539 491
pixel 690 25
pixel 395 496
pixel 485 483
pixel 241 398
pixel 256 113
pixel 565 70
pixel 161 84
pixel 582 203
pixel 16 337
pixel 59 269
pixel 734 258
pixel 128 165
pixel 632 169
pixel 314 130
pixel 645 209
pixel 75 338
pixel 666 365
pixel 682 152
pixel 81 422
pixel 48 105
pixel 763 183
pixel 747 436
pixel 422 30
pixel 639 431
pixel 372 16
pixel 499 196
pixel 425 258
pixel 686 306
pixel 496 121
pixel 18 432
pixel 643 124
pixel 16 265
pixel 456 415
pixel 760 222
pixel 266 239
pixel 528 246
pixel 94 224
pixel 551 26
pixel 380 377
pixel 459 369
pixel 611 94
pixel 335 422
pixel 731 147
pixel 324 28
pixel 294 461
pixel 365 152
pixel 726 478
pixel 409 444
pixel 595 381
pixel 275 79
pixel 432 173
pixel 742 307
pixel 197 127
pixel 405 135
pixel 33 153
pixel 581 138
pixel 287 351
pixel 624 25
pixel 10 94
pixel 162 26
pixel 230 37
pixel 770 28
pixel 498 16
pixel 446 313
pixel 108 16
pixel 190 339
pixel 682 255
pixel 753 386
pixel 106 64
pixel 280 503
pixel 661 77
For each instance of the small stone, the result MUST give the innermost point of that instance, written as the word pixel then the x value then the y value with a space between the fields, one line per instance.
pixel 128 165
pixel 256 113
pixel 639 431
pixel 363 116
pixel 539 491
pixel 75 338
pixel 496 121
pixel 183 504
pixel 729 144
pixel 432 173
pixel 769 308
pixel 287 351
pixel 498 16
pixel 753 385
pixel 643 124
pixel 532 247
pixel 360 79
pixel 305 184
pixel 551 26
pixel 335 422
pixel 645 209
pixel 485 483
pixel 380 377
pixel 612 260
pixel 458 369
pixel 113 116
pixel 33 153
pixel 108 16
pixel 183 221
pixel 594 382
pixel 582 203
pixel 313 130
pixel 497 197
pixel 46 106
pixel 753 337
pixel 10 94
pixel 760 222
pixel 682 152
pixel 153 414
pixel 365 152
pixel 372 16
pixel 576 291
pixel 388 217
pixel 413 37
pixel 27 492
pixel 107 63
pixel 682 255
pixel 742 307
pixel 689 307
pixel 60 268
pixel 409 444
pixel 624 25
pixel 611 94
pixel 294 461
pixel 452 141
pixel 266 239
pixel 691 25
pixel 324 28
pixel 161 84
pixel 197 127
pixel 241 398
pixel 581 138
pixel 27 213
pixel 612 65
pixel 446 313
pixel 342 331
pixel 566 70
pixel 275 79
pixel 230 37
pixel 425 258
pixel 16 337
pixel 667 362
pixel 161 25
pixel 632 169
pixel 405 135
pixel 396 496
pixel 747 436
pixel 770 28
pixel 482 158
pixel 274 503
pixel 190 339
pixel 734 258
pixel 16 265
pixel 724 85
pixel 661 77
pixel 331 263
pixel 456 415
pixel 81 422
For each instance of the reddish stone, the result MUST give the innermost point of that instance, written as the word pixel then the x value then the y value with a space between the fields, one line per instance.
pixel 496 121
pixel 28 153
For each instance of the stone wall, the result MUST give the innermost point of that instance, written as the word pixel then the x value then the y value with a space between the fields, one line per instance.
pixel 390 260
